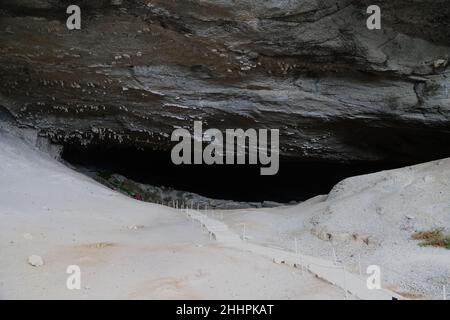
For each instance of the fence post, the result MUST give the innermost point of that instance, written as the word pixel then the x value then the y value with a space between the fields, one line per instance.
pixel 359 264
pixel 345 282
pixel 301 264
pixel 334 256
pixel 444 291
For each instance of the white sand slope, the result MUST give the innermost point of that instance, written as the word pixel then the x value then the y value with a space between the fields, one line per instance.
pixel 372 217
pixel 126 249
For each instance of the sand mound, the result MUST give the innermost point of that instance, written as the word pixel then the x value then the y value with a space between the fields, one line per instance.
pixel 373 216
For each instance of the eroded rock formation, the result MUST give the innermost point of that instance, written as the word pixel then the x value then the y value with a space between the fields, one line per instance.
pixel 138 69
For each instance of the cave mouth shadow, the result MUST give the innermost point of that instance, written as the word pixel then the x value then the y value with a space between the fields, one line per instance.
pixel 295 181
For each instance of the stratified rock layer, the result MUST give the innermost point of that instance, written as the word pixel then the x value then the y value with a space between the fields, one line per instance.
pixel 336 90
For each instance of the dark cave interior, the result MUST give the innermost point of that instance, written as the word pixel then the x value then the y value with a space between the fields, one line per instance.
pixel 295 181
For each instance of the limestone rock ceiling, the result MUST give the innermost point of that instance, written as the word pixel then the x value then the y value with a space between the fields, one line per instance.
pixel 134 72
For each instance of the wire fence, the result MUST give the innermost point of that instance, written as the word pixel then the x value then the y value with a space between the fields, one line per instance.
pixel 357 270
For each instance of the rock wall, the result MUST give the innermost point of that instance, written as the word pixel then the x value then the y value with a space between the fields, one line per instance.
pixel 138 69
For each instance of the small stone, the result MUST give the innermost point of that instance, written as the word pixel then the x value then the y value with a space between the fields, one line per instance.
pixel 35 261
pixel 135 227
pixel 440 63
pixel 278 261
pixel 27 236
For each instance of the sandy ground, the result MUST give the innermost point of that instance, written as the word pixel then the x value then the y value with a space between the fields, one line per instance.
pixel 126 249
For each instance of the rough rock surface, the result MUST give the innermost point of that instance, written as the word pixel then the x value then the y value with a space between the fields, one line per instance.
pixel 172 197
pixel 139 69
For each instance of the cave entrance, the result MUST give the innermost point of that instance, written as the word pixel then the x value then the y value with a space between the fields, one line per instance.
pixel 295 181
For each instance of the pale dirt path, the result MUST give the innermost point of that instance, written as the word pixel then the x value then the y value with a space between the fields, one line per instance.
pixel 49 210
